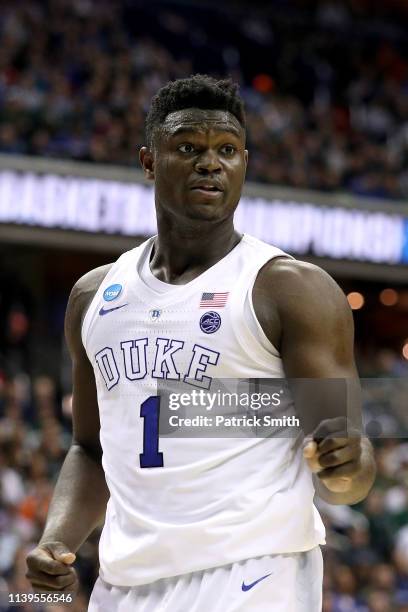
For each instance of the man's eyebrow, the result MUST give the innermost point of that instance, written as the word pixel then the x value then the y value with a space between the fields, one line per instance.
pixel 185 129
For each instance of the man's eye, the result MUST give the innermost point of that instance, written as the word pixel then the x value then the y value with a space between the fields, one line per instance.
pixel 228 149
pixel 186 148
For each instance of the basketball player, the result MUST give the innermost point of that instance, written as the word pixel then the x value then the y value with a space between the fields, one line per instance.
pixel 198 525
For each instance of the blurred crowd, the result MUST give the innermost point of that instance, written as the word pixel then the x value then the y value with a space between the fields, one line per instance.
pixel 35 434
pixel 325 82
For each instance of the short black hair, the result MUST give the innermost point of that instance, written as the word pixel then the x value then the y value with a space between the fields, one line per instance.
pixel 197 91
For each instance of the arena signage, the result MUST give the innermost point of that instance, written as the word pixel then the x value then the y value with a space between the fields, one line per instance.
pixel 112 207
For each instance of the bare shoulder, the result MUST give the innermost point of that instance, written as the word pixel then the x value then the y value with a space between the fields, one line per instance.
pixel 298 284
pixel 80 298
pixel 294 297
pixel 89 283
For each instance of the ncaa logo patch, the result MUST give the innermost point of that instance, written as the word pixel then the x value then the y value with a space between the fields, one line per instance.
pixel 155 314
pixel 112 292
pixel 210 322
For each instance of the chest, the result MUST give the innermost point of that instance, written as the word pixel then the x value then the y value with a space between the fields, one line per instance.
pixel 178 343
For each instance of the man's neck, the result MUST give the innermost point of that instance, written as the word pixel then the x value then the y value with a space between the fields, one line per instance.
pixel 181 253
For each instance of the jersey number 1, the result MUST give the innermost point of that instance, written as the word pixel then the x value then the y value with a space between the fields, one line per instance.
pixel 150 412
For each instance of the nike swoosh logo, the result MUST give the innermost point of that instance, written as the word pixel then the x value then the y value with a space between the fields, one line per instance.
pixel 248 587
pixel 104 311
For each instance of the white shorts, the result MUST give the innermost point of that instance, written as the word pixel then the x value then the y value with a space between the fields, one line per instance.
pixel 274 583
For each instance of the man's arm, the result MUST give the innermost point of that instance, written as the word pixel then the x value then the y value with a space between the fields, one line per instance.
pixel 306 315
pixel 80 496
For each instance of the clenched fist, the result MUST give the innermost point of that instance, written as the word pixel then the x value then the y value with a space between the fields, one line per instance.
pixel 333 453
pixel 49 568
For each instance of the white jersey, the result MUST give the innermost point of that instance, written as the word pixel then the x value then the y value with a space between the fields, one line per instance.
pixel 179 505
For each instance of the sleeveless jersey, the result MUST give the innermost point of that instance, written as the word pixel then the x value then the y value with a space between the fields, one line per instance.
pixel 208 501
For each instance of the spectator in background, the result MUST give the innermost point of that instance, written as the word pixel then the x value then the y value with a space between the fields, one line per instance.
pixel 327 100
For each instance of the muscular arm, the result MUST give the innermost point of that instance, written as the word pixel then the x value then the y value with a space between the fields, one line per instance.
pixel 80 496
pixel 306 315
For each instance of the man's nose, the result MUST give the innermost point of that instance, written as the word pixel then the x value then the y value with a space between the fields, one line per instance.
pixel 208 162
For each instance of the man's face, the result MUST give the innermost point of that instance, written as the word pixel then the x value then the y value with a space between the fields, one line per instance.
pixel 198 164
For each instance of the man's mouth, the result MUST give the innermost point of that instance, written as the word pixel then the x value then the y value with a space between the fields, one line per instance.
pixel 207 188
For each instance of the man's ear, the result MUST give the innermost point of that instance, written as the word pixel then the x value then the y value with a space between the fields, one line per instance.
pixel 147 162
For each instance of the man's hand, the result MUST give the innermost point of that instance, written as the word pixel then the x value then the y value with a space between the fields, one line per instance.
pixel 333 452
pixel 49 568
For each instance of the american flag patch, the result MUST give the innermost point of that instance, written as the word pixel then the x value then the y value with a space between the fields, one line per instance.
pixel 214 300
